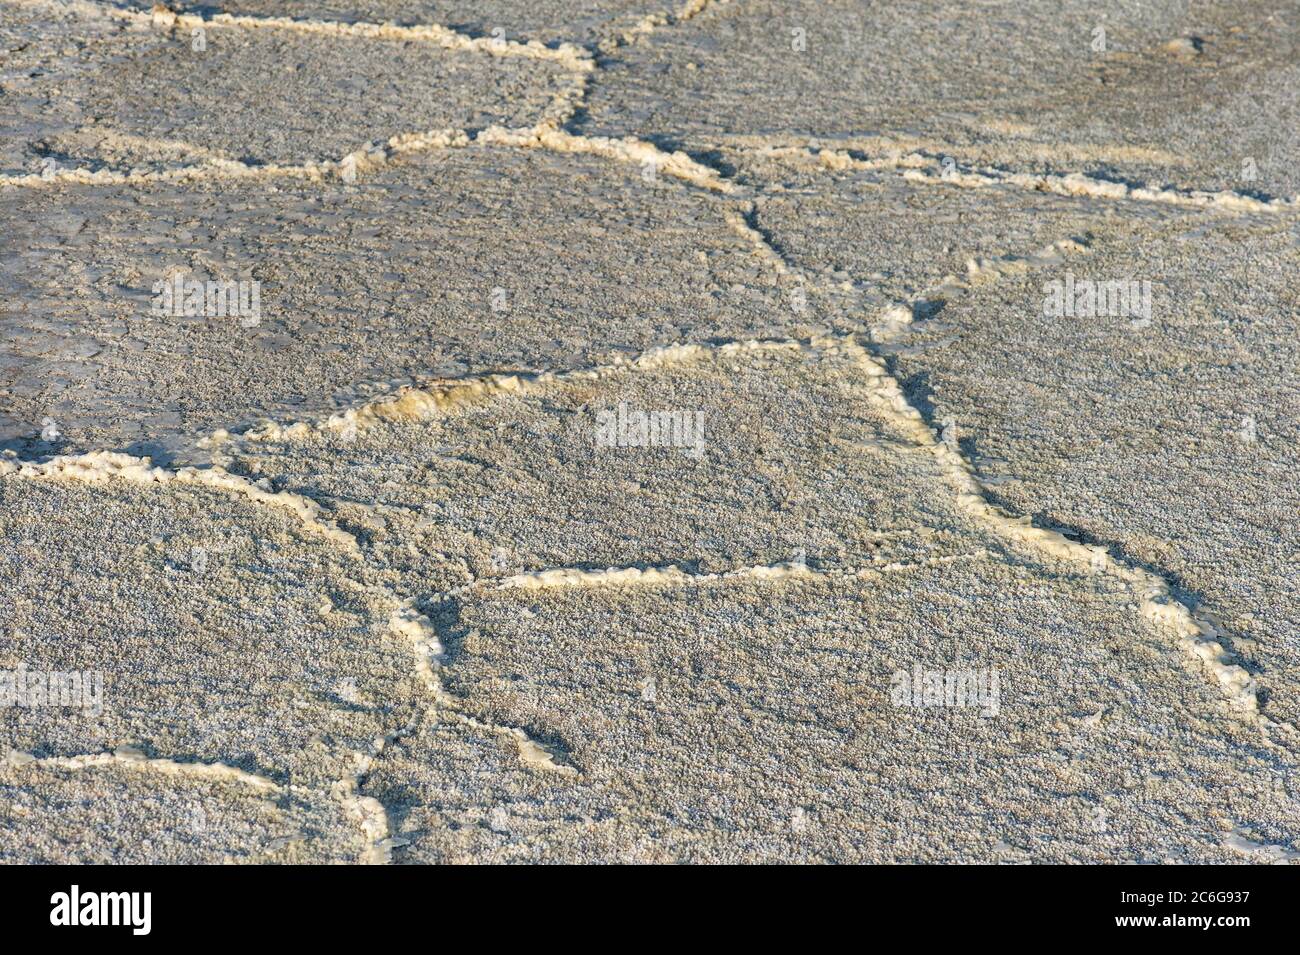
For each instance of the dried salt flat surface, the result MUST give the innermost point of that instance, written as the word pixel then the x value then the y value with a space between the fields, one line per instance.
pixel 421 615
pixel 120 813
pixel 239 651
pixel 450 262
pixel 150 99
pixel 751 722
pixel 1174 442
pixel 1179 93
pixel 792 459
pixel 783 577
pixel 867 240
pixel 547 21
pixel 34 43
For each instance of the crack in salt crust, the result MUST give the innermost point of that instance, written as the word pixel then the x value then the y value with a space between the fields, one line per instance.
pixel 409 624
pixel 568 55
pixel 96 467
pixel 915 160
pixel 1079 185
pixel 133 758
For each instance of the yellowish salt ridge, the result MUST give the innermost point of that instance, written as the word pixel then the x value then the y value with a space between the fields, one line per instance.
pixel 367 811
pixel 628 149
pixel 919 159
pixel 1078 185
pixel 410 403
pixel 545 135
pixel 923 151
pixel 406 623
pixel 939 560
pixel 739 221
pixel 421 402
pixel 654 21
pixel 366 158
pixel 133 758
pixel 96 467
pixel 682 353
pixel 566 577
pixel 676 576
pixel 209 169
pixel 568 55
pixel 409 624
pixel 828 157
pixel 564 106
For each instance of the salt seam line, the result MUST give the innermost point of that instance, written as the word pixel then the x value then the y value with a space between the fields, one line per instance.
pixel 543 136
pixel 568 55
pixel 408 623
pixel 96 467
pixel 134 758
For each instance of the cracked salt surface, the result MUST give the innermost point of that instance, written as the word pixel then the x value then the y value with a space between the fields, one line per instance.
pixel 767 701
pixel 547 21
pixel 411 606
pixel 1147 449
pixel 155 86
pixel 408 293
pixel 223 635
pixel 1134 108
